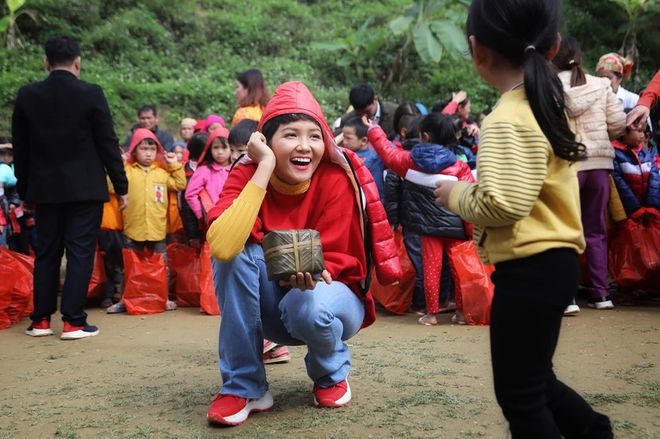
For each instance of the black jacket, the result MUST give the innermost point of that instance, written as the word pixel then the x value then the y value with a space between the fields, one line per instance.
pixel 386 121
pixel 420 214
pixel 64 142
pixel 166 140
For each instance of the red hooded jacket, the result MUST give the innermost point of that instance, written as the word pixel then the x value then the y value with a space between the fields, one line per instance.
pixel 333 204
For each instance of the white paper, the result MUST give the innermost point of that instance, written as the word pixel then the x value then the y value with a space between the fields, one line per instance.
pixel 428 180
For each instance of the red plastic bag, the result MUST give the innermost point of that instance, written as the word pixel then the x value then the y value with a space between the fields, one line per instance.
pixel 472 280
pixel 207 300
pixel 16 287
pixel 185 266
pixel 145 291
pixel 98 279
pixel 396 298
pixel 634 251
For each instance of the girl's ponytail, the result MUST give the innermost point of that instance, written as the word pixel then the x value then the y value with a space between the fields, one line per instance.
pixel 546 98
pixel 569 57
pixel 522 32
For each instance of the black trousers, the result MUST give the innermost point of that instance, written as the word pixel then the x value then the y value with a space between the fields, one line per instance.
pixel 530 297
pixel 74 227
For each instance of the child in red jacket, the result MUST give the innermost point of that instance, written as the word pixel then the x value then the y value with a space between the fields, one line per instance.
pixel 439 229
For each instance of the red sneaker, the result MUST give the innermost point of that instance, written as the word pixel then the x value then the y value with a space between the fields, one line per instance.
pixel 234 410
pixel 278 355
pixel 39 329
pixel 269 345
pixel 337 395
pixel 71 332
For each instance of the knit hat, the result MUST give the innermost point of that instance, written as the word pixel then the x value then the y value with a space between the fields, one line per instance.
pixel 188 121
pixel 211 119
pixel 615 63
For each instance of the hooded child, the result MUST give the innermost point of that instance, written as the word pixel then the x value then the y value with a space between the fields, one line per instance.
pixel 152 174
pixel 213 166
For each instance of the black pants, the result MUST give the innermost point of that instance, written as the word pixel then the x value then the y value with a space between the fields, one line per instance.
pixel 74 227
pixel 111 242
pixel 530 297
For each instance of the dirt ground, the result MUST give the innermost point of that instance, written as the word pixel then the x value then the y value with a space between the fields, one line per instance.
pixel 153 377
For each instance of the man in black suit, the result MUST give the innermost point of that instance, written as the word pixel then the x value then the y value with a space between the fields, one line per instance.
pixel 64 144
pixel 148 118
pixel 366 103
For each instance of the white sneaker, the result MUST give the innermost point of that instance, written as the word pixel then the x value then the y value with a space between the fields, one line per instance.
pixel 572 310
pixel 170 305
pixel 601 303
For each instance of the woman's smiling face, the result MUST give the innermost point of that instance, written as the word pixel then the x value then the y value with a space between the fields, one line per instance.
pixel 298 147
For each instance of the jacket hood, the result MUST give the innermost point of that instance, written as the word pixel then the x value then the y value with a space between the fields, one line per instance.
pixel 431 158
pixel 219 132
pixel 295 97
pixel 138 136
pixel 579 99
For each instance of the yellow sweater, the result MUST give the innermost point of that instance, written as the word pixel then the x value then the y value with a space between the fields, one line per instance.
pixel 145 218
pixel 526 200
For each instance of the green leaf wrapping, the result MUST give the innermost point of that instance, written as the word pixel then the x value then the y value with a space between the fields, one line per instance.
pixel 289 252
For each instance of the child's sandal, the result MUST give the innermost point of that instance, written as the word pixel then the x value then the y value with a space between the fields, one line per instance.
pixel 426 320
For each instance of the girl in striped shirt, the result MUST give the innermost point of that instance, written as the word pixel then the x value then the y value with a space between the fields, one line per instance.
pixel 526 212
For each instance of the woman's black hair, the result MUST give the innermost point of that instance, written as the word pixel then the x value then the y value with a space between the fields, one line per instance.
pixel 411 123
pixel 196 144
pixel 439 106
pixel 569 57
pixel 522 32
pixel 271 126
pixel 404 109
pixel 440 129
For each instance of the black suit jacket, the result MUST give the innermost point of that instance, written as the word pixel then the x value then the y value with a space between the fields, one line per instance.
pixel 64 142
pixel 386 121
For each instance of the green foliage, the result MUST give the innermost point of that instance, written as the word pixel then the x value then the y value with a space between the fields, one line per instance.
pixel 183 55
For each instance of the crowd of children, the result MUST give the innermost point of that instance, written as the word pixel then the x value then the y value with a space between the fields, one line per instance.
pixel 422 167
pixel 186 177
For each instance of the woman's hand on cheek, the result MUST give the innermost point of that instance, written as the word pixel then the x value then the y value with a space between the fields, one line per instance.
pixel 258 150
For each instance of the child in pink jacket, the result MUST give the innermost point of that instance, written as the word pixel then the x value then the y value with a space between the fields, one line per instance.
pixel 214 163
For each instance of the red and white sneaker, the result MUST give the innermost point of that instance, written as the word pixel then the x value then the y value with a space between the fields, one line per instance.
pixel 39 329
pixel 70 332
pixel 337 395
pixel 234 410
pixel 278 355
pixel 269 345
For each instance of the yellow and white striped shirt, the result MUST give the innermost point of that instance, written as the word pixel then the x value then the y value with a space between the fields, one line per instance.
pixel 527 199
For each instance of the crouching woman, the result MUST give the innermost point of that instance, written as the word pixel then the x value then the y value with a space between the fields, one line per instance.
pixel 295 177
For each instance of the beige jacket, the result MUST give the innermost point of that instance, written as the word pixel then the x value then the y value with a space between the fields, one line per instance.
pixel 596 116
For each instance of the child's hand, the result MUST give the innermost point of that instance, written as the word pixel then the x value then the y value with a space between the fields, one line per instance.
pixel 459 96
pixel 258 150
pixel 123 201
pixel 442 191
pixel 304 281
pixel 369 123
pixel 170 158
pixel 473 130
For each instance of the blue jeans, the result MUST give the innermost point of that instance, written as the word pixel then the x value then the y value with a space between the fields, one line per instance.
pixel 254 307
